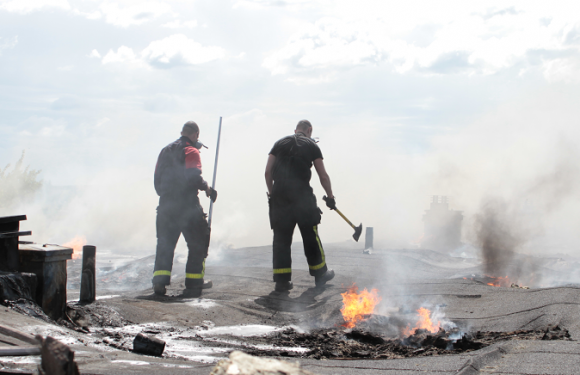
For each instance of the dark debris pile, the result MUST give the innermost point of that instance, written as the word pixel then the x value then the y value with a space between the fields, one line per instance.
pixel 347 344
pixel 85 316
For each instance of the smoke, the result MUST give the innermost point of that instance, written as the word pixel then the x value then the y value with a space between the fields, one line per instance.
pixel 511 172
pixel 502 226
pixel 18 184
pixel 498 234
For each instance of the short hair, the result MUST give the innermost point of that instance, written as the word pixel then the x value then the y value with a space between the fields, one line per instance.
pixel 190 127
pixel 303 125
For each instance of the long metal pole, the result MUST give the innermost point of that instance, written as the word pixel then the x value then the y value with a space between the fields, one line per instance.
pixel 217 153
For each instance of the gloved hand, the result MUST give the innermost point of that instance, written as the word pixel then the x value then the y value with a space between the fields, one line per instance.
pixel 211 193
pixel 330 202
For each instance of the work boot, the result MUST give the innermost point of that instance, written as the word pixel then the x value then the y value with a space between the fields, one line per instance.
pixel 196 292
pixel 159 289
pixel 324 278
pixel 207 284
pixel 283 286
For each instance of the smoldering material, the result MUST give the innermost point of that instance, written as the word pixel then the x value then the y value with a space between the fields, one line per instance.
pixel 497 235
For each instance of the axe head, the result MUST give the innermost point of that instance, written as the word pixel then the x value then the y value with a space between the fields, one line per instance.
pixel 357 232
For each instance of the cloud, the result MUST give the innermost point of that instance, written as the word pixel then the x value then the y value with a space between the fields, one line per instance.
pixel 174 50
pixel 328 43
pixel 102 121
pixel 288 4
pixel 123 55
pixel 7 43
pixel 65 103
pixel 95 53
pixel 40 126
pixel 180 50
pixel 469 42
pixel 507 11
pixel 563 70
pixel 161 103
pixel 27 6
pixel 177 24
pixel 449 63
pixel 135 14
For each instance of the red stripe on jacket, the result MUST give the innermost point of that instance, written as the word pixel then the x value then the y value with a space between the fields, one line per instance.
pixel 192 158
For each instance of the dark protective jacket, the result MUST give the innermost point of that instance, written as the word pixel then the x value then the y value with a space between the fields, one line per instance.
pixel 178 170
pixel 292 195
pixel 292 169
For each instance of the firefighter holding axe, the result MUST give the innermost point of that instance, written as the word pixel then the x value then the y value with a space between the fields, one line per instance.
pixel 292 202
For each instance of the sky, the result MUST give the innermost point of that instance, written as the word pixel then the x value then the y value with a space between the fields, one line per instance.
pixel 473 100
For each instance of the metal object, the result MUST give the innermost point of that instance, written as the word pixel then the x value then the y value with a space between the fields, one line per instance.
pixel 148 345
pixel 88 281
pixel 19 351
pixel 442 226
pixel 357 230
pixel 48 262
pixel 368 240
pixel 9 226
pixel 217 153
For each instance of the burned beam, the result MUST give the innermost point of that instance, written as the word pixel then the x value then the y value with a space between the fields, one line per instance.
pixel 57 359
pixel 15 234
pixel 19 335
pixel 48 262
pixel 148 345
pixel 9 242
pixel 88 280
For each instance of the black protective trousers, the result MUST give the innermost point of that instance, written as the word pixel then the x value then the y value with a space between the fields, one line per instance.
pixel 283 220
pixel 174 217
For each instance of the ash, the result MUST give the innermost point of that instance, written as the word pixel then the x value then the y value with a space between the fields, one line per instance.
pixel 354 343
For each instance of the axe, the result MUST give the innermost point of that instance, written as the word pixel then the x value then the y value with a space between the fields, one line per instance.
pixel 357 230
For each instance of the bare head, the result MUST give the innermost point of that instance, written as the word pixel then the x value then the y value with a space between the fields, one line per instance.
pixel 191 131
pixel 304 126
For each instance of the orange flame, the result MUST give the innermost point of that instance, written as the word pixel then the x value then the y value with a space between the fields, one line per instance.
pixel 499 281
pixel 76 244
pixel 356 305
pixel 424 322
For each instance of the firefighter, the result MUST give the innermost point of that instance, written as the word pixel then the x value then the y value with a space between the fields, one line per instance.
pixel 177 182
pixel 292 202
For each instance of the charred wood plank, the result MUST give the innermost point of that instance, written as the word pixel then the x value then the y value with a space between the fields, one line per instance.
pixel 19 335
pixel 12 219
pixel 15 234
pixel 148 345
pixel 57 358
pixel 88 280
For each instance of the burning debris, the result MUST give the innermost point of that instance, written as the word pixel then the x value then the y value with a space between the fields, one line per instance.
pixel 503 282
pixel 76 244
pixel 358 305
pixel 356 343
pixel 423 323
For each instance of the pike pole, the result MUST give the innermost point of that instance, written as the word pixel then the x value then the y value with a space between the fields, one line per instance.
pixel 217 153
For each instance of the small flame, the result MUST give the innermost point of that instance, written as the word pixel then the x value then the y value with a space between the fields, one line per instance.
pixel 499 281
pixel 76 244
pixel 356 305
pixel 424 322
pixel 418 241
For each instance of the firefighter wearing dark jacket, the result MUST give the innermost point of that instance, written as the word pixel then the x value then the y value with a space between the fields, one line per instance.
pixel 177 182
pixel 292 202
